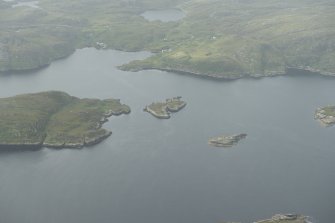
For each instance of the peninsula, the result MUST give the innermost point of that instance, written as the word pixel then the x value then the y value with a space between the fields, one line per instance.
pixel 225 140
pixel 163 110
pixel 55 119
pixel 326 115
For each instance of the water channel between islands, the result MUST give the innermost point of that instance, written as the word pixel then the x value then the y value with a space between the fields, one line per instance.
pixel 153 170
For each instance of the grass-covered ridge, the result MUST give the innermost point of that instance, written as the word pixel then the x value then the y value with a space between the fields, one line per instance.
pixel 55 119
pixel 219 38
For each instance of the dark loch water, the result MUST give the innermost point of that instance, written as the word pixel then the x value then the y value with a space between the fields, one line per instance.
pixel 163 171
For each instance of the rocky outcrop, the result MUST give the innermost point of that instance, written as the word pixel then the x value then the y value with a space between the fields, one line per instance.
pixel 226 141
pixel 326 115
pixel 308 70
pixel 19 146
pixel 158 110
pixel 96 137
pixel 163 110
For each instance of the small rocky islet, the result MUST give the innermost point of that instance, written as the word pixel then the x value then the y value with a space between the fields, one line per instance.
pixel 283 218
pixel 326 115
pixel 163 110
pixel 286 218
pixel 55 119
pixel 226 140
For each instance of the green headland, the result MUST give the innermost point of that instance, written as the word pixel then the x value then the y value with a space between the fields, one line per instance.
pixel 55 119
pixel 217 38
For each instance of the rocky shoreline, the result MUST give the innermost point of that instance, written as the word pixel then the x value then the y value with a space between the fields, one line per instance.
pixel 92 138
pixel 25 146
pixel 163 110
pixel 226 77
pixel 222 77
pixel 249 75
pixel 326 116
pixel 85 142
pixel 307 69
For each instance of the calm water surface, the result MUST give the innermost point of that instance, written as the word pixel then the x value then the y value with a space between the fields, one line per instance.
pixel 31 4
pixel 166 15
pixel 163 171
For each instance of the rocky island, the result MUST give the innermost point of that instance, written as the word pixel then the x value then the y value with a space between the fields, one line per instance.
pixel 55 119
pixel 325 115
pixel 163 110
pixel 226 141
pixel 284 218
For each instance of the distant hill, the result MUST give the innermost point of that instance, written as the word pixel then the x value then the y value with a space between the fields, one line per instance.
pixel 218 38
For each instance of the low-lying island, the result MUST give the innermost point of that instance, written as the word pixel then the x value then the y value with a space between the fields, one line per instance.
pixel 226 140
pixel 163 110
pixel 285 218
pixel 55 119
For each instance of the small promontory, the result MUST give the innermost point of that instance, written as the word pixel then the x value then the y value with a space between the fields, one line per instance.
pixel 163 110
pixel 325 115
pixel 226 140
pixel 55 119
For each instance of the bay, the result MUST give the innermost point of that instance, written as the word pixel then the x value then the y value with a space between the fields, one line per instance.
pixel 154 170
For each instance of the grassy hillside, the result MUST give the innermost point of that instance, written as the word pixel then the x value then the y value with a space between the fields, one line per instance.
pixel 54 119
pixel 219 38
pixel 248 38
